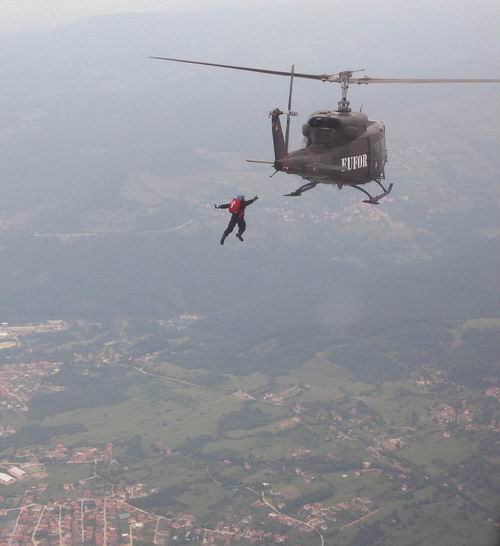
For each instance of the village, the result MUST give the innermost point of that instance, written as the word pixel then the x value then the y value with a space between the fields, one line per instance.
pixel 98 512
pixel 111 519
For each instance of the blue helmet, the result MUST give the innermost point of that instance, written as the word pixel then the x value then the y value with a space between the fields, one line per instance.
pixel 240 196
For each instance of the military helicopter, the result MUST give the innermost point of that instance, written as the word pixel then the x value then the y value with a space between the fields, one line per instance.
pixel 341 147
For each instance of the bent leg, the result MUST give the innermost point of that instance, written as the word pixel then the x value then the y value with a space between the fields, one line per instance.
pixel 242 225
pixel 230 226
pixel 229 229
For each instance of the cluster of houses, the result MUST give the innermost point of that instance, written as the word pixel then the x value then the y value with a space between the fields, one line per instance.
pixel 19 382
pixel 7 430
pixel 60 453
pixel 494 392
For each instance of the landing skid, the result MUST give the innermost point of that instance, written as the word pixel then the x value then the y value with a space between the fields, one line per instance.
pixel 372 199
pixel 375 199
pixel 302 189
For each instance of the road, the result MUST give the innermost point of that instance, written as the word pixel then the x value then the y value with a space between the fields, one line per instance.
pixel 83 529
pixel 105 521
pixel 300 522
pixel 61 543
pixel 33 539
pixel 359 520
pixel 170 378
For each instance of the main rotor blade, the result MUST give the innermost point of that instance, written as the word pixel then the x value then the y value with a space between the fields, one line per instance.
pixel 367 80
pixel 321 77
pixel 336 77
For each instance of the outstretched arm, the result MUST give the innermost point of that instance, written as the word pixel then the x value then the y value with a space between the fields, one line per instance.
pixel 251 201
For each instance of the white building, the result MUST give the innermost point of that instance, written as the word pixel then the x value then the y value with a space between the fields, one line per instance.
pixel 5 479
pixel 17 472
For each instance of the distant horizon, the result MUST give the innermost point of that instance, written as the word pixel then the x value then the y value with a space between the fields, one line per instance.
pixel 30 15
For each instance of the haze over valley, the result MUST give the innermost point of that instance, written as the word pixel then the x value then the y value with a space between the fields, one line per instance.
pixel 332 380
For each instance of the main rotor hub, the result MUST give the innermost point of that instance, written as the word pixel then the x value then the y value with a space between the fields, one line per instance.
pixel 344 79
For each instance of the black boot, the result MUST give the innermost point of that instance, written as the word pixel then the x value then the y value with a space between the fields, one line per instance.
pixel 223 239
pixel 240 237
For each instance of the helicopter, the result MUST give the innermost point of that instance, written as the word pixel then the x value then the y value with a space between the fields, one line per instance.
pixel 341 147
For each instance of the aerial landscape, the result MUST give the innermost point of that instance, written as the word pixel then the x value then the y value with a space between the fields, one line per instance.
pixel 333 380
pixel 122 434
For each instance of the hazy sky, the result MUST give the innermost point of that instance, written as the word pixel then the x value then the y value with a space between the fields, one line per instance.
pixel 28 14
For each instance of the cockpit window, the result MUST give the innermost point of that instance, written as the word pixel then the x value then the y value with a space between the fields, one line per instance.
pixel 325 123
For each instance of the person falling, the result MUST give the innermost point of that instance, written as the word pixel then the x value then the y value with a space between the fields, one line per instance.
pixel 237 210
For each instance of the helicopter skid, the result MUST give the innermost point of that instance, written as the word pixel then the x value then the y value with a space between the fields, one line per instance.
pixel 375 199
pixel 299 191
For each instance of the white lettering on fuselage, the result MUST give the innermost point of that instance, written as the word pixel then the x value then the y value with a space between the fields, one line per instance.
pixel 354 162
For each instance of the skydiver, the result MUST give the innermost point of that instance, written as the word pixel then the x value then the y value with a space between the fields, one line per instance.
pixel 237 209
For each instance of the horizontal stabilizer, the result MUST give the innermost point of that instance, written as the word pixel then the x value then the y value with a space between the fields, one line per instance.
pixel 258 161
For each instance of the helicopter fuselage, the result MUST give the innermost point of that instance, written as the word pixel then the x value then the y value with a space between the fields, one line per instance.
pixel 342 148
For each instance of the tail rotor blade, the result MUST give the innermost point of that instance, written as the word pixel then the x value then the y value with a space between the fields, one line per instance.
pixel 289 113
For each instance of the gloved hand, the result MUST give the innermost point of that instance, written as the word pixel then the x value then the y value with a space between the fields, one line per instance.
pixel 216 206
pixel 255 198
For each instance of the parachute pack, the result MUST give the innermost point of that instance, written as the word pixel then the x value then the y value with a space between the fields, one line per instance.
pixel 235 206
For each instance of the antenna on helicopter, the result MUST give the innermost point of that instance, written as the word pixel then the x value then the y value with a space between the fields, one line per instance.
pixel 289 111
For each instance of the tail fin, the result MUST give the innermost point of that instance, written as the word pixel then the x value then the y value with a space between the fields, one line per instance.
pixel 278 138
